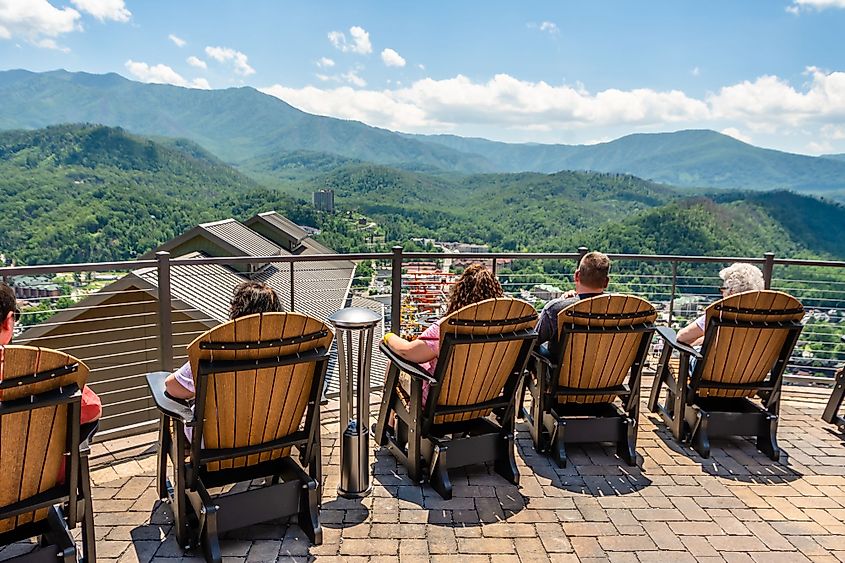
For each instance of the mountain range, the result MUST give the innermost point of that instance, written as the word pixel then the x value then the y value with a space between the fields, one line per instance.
pixel 271 140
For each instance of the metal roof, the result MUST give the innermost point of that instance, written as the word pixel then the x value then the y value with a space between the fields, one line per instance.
pixel 243 238
pixel 281 223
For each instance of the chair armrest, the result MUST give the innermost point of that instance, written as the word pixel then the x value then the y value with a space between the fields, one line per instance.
pixel 669 337
pixel 168 405
pixel 412 369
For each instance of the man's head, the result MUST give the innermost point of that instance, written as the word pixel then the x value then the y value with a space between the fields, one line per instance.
pixel 592 273
pixel 253 297
pixel 8 313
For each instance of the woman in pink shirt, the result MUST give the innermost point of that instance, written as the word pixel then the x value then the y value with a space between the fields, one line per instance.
pixel 475 284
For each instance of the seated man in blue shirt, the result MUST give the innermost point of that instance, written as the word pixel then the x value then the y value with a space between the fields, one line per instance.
pixel 591 279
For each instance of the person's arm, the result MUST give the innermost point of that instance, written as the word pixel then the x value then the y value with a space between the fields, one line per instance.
pixel 175 383
pixel 415 351
pixel 544 324
pixel 690 334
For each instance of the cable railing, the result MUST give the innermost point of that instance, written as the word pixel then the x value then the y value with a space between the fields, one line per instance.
pixel 141 315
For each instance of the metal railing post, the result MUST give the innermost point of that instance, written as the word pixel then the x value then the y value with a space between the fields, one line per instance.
pixel 582 251
pixel 672 296
pixel 165 316
pixel 396 291
pixel 768 268
pixel 494 268
pixel 291 286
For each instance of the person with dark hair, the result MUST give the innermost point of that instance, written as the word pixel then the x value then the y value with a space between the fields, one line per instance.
pixel 92 407
pixel 248 298
pixel 475 284
pixel 591 279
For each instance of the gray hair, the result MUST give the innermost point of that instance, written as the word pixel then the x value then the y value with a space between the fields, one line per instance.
pixel 742 277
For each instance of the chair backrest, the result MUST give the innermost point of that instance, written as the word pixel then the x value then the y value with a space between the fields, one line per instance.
pixel 601 338
pixel 254 377
pixel 482 346
pixel 39 426
pixel 745 336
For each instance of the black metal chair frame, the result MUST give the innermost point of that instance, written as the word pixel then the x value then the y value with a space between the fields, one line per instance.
pixel 552 425
pixel 831 411
pixel 68 502
pixel 417 439
pixel 294 488
pixel 693 419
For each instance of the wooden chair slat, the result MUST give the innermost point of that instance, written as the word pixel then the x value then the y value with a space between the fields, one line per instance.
pixel 746 355
pixel 596 360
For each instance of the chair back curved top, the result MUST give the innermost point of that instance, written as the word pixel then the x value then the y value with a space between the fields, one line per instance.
pixel 480 346
pixel 744 337
pixel 260 373
pixel 39 403
pixel 600 338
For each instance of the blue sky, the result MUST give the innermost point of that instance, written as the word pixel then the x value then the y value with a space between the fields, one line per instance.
pixel 769 72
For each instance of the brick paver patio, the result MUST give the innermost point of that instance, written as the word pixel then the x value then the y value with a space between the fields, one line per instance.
pixel 676 506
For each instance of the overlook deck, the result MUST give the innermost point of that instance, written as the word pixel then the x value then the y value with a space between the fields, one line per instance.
pixel 675 506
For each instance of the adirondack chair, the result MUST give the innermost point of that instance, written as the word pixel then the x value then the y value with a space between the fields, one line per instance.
pixel 258 383
pixel 587 386
pixel 831 411
pixel 483 351
pixel 45 488
pixel 748 339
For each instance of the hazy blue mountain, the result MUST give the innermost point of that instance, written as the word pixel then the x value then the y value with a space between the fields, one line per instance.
pixel 235 124
pixel 272 140
pixel 693 158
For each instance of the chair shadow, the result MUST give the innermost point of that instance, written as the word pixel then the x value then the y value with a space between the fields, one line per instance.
pixel 479 495
pixel 591 469
pixel 735 458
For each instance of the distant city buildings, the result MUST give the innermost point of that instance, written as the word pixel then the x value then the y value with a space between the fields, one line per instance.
pixel 546 292
pixel 324 200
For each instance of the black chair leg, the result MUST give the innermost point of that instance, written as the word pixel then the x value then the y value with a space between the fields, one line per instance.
pixel 164 445
pixel 309 512
pixel 89 542
pixel 767 437
pixel 626 448
pixel 505 464
pixel 558 443
pixel 439 473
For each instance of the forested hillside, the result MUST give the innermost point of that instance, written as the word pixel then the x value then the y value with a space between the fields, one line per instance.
pixel 80 193
pixel 76 193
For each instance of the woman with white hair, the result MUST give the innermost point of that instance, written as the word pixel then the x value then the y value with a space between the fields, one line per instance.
pixel 736 278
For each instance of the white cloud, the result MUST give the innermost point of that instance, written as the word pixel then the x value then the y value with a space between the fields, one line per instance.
pixel 325 62
pixel 178 41
pixel 104 9
pixel 550 27
pixel 353 78
pixel 37 21
pixel 768 111
pixel 196 62
pixel 359 42
pixel 238 59
pixel 392 58
pixel 772 101
pixel 162 74
pixel 799 6
pixel 421 66
pixel 695 71
pixel 736 134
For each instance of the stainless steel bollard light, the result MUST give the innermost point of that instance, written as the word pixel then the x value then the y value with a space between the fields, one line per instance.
pixel 350 323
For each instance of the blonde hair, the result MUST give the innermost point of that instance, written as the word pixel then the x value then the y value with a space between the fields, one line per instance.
pixel 741 277
pixel 476 284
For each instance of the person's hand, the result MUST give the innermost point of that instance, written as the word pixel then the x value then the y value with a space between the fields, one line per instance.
pixel 569 294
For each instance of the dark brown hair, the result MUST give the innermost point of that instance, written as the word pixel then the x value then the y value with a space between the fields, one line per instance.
pixel 253 297
pixel 594 269
pixel 8 303
pixel 474 285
